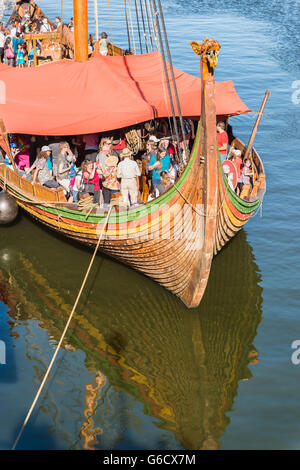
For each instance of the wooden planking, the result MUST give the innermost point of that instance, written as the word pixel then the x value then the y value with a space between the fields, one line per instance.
pixel 44 193
pixel 26 186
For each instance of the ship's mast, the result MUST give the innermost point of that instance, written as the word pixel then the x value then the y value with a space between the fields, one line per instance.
pixel 80 30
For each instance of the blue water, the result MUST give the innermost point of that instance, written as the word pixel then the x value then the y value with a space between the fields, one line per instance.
pixel 254 406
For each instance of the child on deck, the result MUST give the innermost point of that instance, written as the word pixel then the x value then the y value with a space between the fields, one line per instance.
pixel 244 183
pixel 20 62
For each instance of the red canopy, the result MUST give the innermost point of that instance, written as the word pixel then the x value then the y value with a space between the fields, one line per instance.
pixel 105 93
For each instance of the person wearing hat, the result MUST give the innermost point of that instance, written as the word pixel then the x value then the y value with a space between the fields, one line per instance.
pixel 48 151
pixel 41 173
pixel 153 138
pixel 110 183
pixel 129 172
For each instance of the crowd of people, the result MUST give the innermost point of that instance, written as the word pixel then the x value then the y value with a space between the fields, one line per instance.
pixel 14 49
pixel 243 167
pixel 98 165
pixel 104 165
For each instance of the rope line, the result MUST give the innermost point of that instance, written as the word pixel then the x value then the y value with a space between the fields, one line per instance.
pixel 132 31
pixel 167 80
pixel 63 335
pixel 127 26
pixel 173 79
pixel 154 25
pixel 148 22
pixel 144 28
pixel 138 25
pixel 111 34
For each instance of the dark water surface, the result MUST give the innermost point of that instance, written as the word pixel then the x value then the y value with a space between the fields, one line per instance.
pixel 219 376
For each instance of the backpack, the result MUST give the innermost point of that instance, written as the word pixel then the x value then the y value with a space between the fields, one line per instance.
pixel 9 53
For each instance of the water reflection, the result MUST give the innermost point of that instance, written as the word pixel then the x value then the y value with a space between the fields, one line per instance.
pixel 183 365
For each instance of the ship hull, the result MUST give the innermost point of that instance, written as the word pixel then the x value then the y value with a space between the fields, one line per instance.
pixel 171 239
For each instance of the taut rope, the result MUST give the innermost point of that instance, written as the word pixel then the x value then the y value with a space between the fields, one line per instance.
pixel 132 32
pixel 110 24
pixel 63 335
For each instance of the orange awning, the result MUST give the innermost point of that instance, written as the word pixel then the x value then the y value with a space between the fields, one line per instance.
pixel 105 93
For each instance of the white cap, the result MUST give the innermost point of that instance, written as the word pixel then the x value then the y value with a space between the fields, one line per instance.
pixel 153 138
pixel 45 148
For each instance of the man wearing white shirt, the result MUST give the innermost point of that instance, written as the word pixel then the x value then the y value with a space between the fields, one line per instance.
pixel 13 30
pixel 2 41
pixel 45 28
pixel 128 171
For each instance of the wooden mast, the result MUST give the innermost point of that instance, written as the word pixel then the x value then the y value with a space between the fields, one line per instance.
pixel 80 30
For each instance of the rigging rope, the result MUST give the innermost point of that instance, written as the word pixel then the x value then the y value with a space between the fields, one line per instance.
pixel 138 24
pixel 144 29
pixel 127 26
pixel 63 335
pixel 173 78
pixel 167 79
pixel 132 31
pixel 111 35
pixel 154 25
pixel 148 21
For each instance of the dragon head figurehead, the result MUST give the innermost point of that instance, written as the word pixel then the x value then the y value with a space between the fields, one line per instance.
pixel 209 51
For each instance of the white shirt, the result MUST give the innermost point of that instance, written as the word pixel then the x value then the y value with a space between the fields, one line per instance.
pixel 77 182
pixel 45 28
pixel 2 39
pixel 104 45
pixel 128 169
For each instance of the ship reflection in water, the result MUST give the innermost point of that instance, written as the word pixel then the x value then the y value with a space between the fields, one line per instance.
pixel 182 365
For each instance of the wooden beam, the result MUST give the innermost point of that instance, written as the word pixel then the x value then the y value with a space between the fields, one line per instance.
pixel 80 30
pixel 50 36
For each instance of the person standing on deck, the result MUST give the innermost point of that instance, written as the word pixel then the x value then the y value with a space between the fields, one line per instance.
pixel 45 27
pixel 91 142
pixel 158 163
pixel 129 172
pixel 222 139
pixel 105 149
pixel 104 43
pixel 58 22
pixel 16 41
pixel 55 148
pixel 20 61
pixel 63 165
pixel 71 25
pixel 2 41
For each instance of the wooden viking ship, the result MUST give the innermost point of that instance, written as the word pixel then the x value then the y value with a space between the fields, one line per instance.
pixel 173 238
